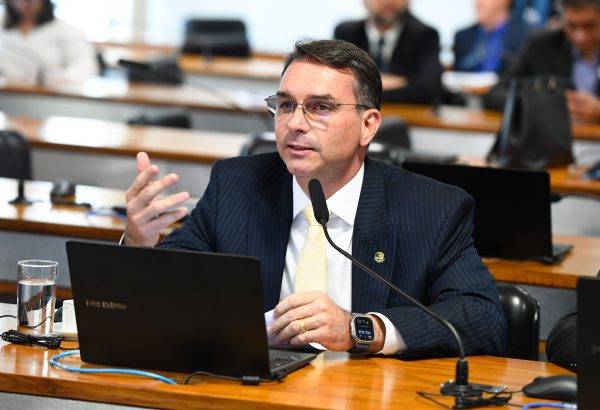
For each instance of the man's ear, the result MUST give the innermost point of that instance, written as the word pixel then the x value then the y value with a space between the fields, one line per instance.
pixel 371 120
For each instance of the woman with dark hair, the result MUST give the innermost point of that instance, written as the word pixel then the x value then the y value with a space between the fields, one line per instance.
pixel 37 48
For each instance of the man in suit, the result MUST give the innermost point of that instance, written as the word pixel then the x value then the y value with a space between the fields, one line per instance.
pixel 572 52
pixel 405 50
pixel 412 230
pixel 493 42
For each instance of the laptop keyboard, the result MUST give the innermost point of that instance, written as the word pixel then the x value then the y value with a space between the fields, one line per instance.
pixel 275 362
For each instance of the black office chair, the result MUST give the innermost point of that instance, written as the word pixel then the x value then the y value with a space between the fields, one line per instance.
pixel 522 313
pixel 15 156
pixel 216 37
pixel 393 132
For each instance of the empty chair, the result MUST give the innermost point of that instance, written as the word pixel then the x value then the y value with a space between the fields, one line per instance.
pixel 216 37
pixel 15 156
pixel 522 313
pixel 394 132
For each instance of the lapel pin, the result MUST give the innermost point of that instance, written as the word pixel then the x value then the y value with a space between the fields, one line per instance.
pixel 379 257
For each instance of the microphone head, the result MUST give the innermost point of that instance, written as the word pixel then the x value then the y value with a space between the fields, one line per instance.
pixel 317 198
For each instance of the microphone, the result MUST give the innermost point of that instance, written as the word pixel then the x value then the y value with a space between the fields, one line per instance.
pixel 459 387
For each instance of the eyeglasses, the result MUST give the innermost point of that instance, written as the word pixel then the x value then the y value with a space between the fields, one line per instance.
pixel 316 108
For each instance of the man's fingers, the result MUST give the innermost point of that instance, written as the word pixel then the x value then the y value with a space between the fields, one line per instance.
pixel 293 301
pixel 297 327
pixel 167 219
pixel 310 336
pixel 300 312
pixel 140 182
pixel 159 206
pixel 143 162
pixel 150 192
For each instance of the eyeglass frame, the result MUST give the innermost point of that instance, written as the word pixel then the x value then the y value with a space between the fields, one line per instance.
pixel 304 111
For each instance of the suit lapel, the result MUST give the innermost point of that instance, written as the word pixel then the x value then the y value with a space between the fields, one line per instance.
pixel 362 41
pixel 269 223
pixel 372 234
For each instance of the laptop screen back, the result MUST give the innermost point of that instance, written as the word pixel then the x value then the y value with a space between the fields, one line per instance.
pixel 512 207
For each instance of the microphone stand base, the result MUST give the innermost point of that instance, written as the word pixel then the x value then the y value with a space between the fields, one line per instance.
pixel 450 388
pixel 20 201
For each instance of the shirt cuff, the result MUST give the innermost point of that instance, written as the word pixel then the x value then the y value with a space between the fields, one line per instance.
pixel 394 343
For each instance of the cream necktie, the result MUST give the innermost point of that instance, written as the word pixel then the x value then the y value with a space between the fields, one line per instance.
pixel 311 270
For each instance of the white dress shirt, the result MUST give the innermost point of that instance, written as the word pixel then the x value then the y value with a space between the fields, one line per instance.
pixel 390 39
pixel 54 51
pixel 342 207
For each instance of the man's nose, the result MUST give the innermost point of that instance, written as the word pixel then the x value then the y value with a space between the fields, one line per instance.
pixel 297 121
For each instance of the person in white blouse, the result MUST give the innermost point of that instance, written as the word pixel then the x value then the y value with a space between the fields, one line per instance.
pixel 37 48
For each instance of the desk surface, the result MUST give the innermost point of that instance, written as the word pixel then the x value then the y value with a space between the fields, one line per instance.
pixel 119 91
pixel 467 119
pixel 332 381
pixel 45 218
pixel 105 137
pixel 254 67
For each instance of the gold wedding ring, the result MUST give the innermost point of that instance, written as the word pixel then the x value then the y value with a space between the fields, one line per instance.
pixel 302 329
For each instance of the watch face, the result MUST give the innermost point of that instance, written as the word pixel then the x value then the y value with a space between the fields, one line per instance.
pixel 364 329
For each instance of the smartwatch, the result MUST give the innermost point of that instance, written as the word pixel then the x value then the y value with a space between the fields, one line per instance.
pixel 363 333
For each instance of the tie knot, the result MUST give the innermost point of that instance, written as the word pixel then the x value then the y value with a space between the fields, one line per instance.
pixel 309 214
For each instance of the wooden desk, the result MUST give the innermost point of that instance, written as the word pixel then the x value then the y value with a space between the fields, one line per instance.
pixel 332 381
pixel 45 218
pixel 105 137
pixel 583 260
pixel 254 67
pixel 467 119
pixel 119 91
pixel 42 217
pixel 116 90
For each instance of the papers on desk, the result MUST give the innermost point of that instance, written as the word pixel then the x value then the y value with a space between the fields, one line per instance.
pixel 468 82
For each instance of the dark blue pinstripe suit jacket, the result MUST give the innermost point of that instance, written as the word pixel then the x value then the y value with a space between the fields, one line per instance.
pixel 422 226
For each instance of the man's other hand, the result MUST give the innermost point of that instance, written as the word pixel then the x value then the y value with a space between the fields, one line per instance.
pixel 583 107
pixel 147 213
pixel 309 317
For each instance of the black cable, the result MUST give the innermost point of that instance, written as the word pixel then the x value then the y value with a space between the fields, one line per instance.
pixel 246 380
pixel 3 316
pixel 468 402
pixel 50 342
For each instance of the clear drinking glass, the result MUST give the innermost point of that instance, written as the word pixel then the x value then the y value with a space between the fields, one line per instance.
pixel 36 296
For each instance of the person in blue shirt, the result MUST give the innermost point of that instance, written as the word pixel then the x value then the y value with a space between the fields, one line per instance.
pixel 493 42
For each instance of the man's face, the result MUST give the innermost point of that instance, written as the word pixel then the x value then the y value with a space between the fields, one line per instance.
pixel 582 26
pixel 386 12
pixel 487 10
pixel 320 147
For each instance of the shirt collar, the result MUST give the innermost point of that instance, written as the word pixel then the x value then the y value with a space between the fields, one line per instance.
pixel 343 204
pixel 390 35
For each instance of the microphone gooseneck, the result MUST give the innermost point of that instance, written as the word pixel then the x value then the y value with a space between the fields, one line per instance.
pixel 460 387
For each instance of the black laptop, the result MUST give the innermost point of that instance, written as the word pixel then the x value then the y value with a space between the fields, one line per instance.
pixel 512 209
pixel 173 310
pixel 588 343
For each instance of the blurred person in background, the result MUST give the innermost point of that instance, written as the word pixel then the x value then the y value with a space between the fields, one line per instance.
pixel 571 52
pixel 38 48
pixel 493 42
pixel 405 50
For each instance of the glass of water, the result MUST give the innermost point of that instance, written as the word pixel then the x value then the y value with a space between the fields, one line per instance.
pixel 36 296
